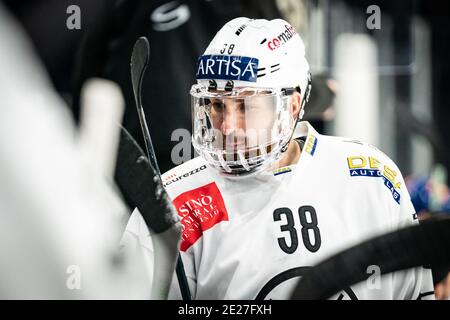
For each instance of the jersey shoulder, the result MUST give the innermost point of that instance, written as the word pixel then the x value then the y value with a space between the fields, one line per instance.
pixel 186 176
pixel 357 151
pixel 341 151
pixel 362 160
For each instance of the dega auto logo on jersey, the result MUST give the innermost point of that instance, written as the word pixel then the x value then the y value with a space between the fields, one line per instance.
pixel 173 177
pixel 199 209
pixel 362 166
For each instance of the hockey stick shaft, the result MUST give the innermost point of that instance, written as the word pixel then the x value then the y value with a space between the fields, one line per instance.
pixel 139 62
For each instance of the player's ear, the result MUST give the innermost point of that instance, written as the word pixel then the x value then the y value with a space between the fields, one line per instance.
pixel 296 104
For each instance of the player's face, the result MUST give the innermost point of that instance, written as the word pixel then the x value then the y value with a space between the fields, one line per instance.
pixel 243 121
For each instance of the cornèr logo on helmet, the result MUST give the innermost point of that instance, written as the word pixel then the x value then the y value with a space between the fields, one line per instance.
pixel 285 36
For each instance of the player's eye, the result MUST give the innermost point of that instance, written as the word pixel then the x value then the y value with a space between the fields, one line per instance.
pixel 218 105
pixel 241 106
pixel 251 106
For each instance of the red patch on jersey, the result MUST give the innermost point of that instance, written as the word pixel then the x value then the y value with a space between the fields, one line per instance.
pixel 199 209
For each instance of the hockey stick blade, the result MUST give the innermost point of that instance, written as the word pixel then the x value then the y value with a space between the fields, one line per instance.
pixel 135 179
pixel 140 59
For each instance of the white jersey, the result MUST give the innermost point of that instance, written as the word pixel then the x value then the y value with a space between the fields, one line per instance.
pixel 253 238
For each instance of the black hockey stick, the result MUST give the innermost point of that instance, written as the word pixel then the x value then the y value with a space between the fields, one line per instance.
pixel 415 246
pixel 135 178
pixel 140 59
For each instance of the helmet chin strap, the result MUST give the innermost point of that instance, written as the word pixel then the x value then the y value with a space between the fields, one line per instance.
pixel 285 146
pixel 243 160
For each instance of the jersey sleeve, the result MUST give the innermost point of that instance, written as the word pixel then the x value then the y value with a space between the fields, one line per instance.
pixel 137 241
pixel 188 258
pixel 188 263
pixel 416 283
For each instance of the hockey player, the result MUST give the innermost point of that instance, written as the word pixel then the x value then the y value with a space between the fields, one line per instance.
pixel 266 200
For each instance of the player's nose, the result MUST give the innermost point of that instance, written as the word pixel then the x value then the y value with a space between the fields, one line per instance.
pixel 230 121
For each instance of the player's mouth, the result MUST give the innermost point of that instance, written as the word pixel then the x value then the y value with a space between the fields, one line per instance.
pixel 234 146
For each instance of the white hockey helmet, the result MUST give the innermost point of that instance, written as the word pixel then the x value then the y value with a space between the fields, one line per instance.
pixel 241 103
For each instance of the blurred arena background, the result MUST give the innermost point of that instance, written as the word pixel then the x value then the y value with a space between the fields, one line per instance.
pixel 379 73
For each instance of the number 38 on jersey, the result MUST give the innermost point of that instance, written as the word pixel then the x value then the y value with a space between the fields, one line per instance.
pixel 309 229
